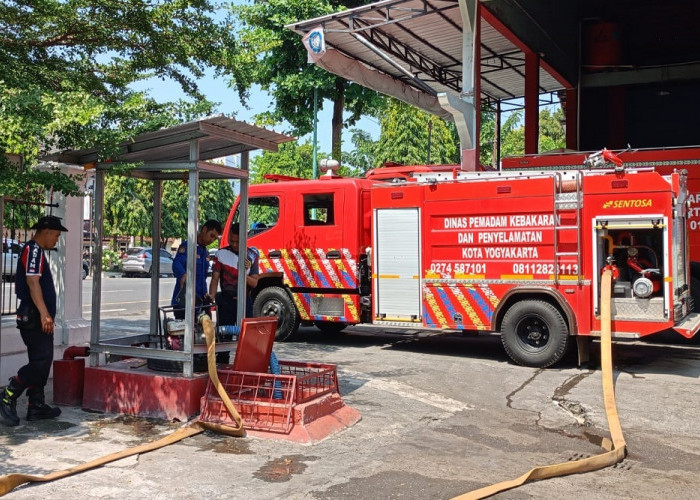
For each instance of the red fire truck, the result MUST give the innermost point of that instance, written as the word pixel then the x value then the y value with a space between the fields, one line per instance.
pixel 519 253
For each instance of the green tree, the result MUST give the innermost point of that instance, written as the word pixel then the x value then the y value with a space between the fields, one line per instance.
pixel 488 138
pixel 129 206
pixel 552 134
pixel 361 158
pixel 404 137
pixel 292 159
pixel 512 135
pixel 273 57
pixel 67 66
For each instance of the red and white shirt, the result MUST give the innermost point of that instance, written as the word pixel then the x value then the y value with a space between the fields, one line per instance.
pixel 226 264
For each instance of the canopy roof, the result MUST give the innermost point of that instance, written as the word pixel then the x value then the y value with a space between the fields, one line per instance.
pixel 217 136
pixel 423 38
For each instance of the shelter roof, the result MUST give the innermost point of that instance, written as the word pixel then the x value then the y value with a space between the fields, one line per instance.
pixel 217 136
pixel 423 38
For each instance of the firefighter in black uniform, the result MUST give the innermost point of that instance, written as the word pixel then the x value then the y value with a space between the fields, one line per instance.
pixel 35 316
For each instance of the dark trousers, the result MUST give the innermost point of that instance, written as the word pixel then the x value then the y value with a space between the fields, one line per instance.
pixel 40 351
pixel 227 308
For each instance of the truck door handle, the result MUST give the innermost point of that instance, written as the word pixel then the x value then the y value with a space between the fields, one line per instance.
pixel 333 254
pixel 275 254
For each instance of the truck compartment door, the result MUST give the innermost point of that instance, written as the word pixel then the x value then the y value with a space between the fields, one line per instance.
pixel 397 264
pixel 636 249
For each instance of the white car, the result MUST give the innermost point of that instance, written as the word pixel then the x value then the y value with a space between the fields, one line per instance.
pixel 10 256
pixel 138 260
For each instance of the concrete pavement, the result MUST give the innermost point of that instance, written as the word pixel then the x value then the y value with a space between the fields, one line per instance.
pixel 441 415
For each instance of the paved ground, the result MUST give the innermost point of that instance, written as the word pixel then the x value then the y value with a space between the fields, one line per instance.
pixel 441 415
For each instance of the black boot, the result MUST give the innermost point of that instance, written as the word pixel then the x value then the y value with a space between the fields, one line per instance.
pixel 37 409
pixel 8 402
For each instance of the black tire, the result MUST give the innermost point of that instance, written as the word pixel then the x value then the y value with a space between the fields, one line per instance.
pixel 534 333
pixel 275 301
pixel 149 273
pixel 330 327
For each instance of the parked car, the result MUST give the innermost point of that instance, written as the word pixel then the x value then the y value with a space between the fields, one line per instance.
pixel 139 260
pixel 10 256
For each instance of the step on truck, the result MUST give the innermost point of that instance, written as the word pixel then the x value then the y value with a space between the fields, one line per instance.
pixel 518 253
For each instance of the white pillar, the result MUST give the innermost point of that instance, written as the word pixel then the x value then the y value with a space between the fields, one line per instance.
pixel 66 267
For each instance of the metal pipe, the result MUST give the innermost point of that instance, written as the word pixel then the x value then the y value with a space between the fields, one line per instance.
pixel 99 201
pixel 75 351
pixel 155 252
pixel 191 283
pixel 420 83
pixel 243 241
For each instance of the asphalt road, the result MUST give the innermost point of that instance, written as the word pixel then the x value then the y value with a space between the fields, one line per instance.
pixel 441 414
pixel 126 297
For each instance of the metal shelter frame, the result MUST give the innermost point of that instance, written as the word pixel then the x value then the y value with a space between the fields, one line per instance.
pixel 178 152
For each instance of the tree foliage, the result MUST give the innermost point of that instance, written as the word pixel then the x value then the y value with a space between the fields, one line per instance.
pixel 404 137
pixel 292 159
pixel 360 158
pixel 551 135
pixel 274 58
pixel 67 66
pixel 129 206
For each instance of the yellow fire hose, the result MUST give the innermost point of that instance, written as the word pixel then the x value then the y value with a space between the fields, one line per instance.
pixel 615 450
pixel 11 481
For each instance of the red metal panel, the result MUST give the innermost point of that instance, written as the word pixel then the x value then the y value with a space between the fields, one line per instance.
pixel 255 344
pixel 351 313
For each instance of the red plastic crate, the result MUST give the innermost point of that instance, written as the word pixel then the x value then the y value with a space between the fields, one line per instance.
pixel 266 401
pixel 313 379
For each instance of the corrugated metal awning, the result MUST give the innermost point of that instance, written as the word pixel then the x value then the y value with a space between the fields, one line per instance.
pixel 423 38
pixel 217 136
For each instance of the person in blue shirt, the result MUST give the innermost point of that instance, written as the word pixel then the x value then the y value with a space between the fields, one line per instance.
pixel 208 233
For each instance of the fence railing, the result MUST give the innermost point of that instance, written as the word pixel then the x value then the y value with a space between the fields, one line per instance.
pixel 16 216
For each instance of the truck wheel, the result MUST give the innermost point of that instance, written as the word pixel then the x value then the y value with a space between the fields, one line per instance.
pixel 275 301
pixel 534 333
pixel 330 327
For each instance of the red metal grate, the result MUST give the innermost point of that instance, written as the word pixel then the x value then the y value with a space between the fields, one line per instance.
pixel 266 401
pixel 313 379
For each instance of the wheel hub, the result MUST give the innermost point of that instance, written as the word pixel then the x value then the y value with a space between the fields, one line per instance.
pixel 272 309
pixel 535 333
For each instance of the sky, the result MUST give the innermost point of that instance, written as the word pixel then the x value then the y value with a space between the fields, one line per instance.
pixel 216 90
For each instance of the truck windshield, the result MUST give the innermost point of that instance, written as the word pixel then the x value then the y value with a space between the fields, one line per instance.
pixel 263 213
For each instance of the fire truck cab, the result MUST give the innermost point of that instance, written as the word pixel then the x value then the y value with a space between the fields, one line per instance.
pixel 515 253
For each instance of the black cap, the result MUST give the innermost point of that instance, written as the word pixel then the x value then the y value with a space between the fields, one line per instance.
pixel 49 222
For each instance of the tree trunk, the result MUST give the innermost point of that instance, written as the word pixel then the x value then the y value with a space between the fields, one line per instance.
pixel 337 123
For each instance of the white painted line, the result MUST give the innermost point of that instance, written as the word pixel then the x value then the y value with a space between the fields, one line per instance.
pixel 111 310
pixel 162 301
pixel 409 392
